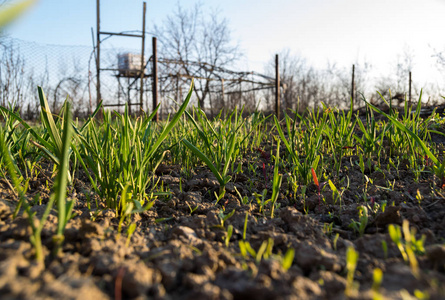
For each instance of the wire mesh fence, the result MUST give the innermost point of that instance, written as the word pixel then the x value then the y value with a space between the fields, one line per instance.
pixel 71 70
pixel 60 70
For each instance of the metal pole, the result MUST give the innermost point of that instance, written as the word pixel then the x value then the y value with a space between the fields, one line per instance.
pixel 277 87
pixel 98 95
pixel 142 59
pixel 409 90
pixel 155 78
pixel 353 85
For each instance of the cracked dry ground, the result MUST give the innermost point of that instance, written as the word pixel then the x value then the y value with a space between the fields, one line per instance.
pixel 175 253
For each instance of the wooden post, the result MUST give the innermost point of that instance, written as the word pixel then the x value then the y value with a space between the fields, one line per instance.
pixel 155 78
pixel 177 90
pixel 353 85
pixel 129 97
pixel 222 94
pixel 98 95
pixel 141 97
pixel 277 87
pixel 409 89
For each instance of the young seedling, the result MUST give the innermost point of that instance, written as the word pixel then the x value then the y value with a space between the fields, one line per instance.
pixel 265 250
pixel 229 235
pixel 360 226
pixel 385 249
pixel 261 199
pixel 408 247
pixel 351 264
pixel 276 182
pixel 224 217
pixel 327 228
pixel 336 195
pixel 377 281
pixel 303 195
pixel 362 165
pixel 220 196
pixel 130 232
pixel 64 208
pixel 161 220
pixel 396 236
pixel 192 210
pixel 244 200
pixel 245 225
pixel 419 197
pixel 288 259
pixel 246 248
pixel 261 251
pixel 334 242
pixel 314 176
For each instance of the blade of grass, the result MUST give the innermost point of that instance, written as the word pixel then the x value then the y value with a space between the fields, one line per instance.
pixel 10 13
pixel 61 181
pixel 48 121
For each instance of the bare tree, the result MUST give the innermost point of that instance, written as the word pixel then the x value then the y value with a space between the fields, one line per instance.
pixel 398 82
pixel 304 86
pixel 72 84
pixel 338 81
pixel 294 73
pixel 12 75
pixel 440 58
pixel 196 45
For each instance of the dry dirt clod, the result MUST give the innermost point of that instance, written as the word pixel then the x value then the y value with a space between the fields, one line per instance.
pixel 136 278
pixel 390 216
pixel 187 234
pixel 436 253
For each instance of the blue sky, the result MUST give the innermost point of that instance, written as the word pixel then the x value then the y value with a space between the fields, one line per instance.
pixel 338 31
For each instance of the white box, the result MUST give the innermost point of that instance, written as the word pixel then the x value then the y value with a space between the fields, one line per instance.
pixel 129 64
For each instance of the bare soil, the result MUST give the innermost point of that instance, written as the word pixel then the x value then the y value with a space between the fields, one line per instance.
pixel 175 253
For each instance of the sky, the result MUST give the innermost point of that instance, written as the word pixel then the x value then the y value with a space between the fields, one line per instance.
pixel 335 31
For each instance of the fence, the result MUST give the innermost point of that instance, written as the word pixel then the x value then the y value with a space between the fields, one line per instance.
pixel 70 70
pixel 60 70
